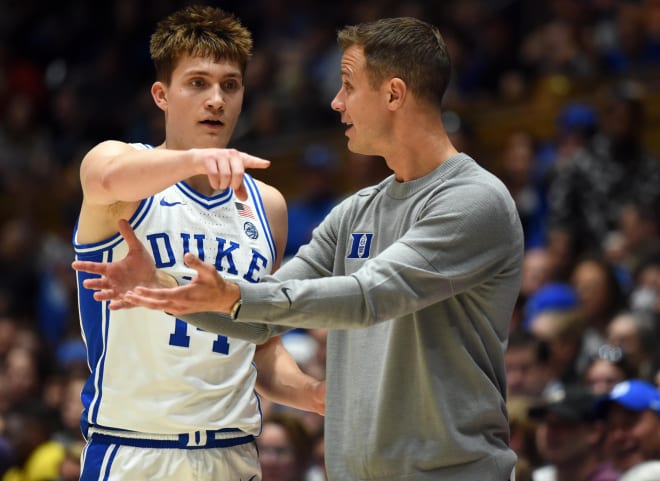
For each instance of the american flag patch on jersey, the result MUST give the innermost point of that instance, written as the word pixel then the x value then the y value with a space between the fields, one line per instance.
pixel 244 210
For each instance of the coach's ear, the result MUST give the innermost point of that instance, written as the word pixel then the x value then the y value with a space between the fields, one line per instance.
pixel 159 94
pixel 396 92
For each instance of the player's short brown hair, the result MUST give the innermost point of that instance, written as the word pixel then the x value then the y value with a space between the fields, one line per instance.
pixel 200 31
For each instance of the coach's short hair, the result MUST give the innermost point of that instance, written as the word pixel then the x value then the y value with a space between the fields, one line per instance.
pixel 403 47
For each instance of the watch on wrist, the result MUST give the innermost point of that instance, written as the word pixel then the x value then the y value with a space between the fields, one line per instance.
pixel 235 308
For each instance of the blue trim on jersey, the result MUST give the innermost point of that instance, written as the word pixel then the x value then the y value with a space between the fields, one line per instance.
pixel 183 441
pixel 203 200
pixel 93 466
pixel 110 243
pixel 261 212
pixel 141 146
pixel 91 310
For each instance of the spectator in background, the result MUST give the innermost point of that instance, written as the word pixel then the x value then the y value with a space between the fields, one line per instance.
pixel 552 296
pixel 606 368
pixel 569 438
pixel 562 331
pixel 518 172
pixel 29 428
pixel 600 295
pixel 638 236
pixel 285 448
pixel 319 192
pixel 631 412
pixel 525 361
pixel 587 194
pixel 25 374
pixel 636 334
pixel 576 125
pixel 69 469
pixel 536 273
pixel 636 49
pixel 646 293
pixel 522 436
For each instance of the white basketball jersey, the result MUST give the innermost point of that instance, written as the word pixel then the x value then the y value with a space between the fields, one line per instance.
pixel 151 372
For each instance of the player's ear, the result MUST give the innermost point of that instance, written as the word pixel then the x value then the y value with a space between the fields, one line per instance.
pixel 159 94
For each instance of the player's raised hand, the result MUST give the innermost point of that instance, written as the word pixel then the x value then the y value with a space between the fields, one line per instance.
pixel 208 291
pixel 118 277
pixel 226 167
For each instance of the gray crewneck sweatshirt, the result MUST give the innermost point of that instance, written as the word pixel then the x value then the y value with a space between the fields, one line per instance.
pixel 416 282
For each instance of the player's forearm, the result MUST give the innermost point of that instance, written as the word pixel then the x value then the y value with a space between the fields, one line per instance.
pixel 281 380
pixel 303 394
pixel 137 174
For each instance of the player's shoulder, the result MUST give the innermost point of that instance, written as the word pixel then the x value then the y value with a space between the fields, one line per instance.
pixel 269 193
pixel 109 147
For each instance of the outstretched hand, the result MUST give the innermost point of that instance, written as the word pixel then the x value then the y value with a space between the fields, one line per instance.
pixel 207 291
pixel 119 277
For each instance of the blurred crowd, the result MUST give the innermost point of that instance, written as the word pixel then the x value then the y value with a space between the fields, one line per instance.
pixel 586 327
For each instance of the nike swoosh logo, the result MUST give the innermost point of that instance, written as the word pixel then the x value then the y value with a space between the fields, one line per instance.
pixel 164 203
pixel 285 291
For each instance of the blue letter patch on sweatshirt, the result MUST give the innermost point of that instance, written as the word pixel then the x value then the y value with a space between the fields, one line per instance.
pixel 361 245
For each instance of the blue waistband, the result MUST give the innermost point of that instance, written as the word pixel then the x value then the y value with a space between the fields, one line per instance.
pixel 195 440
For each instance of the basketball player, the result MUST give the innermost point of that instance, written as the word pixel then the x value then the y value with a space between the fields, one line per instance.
pixel 165 400
pixel 415 277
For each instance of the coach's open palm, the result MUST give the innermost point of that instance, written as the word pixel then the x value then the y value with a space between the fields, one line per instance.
pixel 208 291
pixel 119 277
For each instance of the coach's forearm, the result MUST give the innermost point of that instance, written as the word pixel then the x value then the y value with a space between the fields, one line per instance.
pixel 219 323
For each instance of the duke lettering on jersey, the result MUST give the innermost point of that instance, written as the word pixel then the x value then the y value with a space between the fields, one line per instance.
pixel 162 248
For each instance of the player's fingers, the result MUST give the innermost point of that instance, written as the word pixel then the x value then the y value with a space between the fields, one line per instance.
pixel 96 283
pixel 88 266
pixel 117 305
pixel 211 169
pixel 194 262
pixel 151 298
pixel 223 164
pixel 128 234
pixel 237 173
pixel 104 295
pixel 147 293
pixel 254 162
